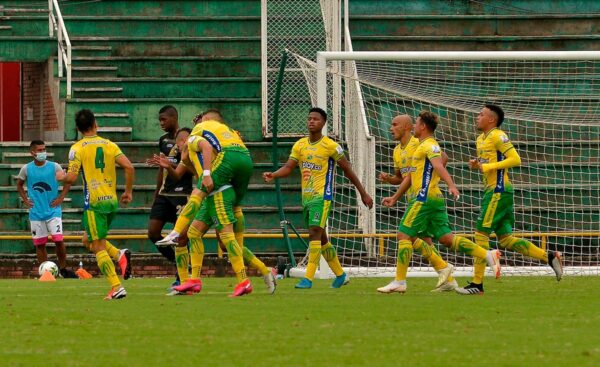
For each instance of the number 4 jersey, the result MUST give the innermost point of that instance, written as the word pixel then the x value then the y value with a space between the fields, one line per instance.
pixel 95 158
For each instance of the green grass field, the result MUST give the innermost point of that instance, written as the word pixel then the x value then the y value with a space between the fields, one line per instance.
pixel 518 322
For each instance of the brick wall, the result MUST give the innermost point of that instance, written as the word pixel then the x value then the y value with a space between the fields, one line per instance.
pixel 34 77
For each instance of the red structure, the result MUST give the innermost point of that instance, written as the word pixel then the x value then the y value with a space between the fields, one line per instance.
pixel 10 101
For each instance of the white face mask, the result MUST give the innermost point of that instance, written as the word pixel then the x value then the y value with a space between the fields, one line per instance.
pixel 41 156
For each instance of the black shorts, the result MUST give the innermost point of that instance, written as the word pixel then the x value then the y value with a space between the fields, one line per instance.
pixel 167 208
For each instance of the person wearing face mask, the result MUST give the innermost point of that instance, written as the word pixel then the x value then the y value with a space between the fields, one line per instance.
pixel 45 215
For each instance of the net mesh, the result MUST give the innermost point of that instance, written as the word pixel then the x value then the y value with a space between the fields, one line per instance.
pixel 552 118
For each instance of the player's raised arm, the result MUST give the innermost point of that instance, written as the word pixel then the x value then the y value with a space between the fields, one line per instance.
pixel 349 173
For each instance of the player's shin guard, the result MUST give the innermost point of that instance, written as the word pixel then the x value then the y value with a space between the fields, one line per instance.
pixel 235 255
pixel 107 268
pixel 254 262
pixel 467 247
pixel 239 227
pixel 196 251
pixel 330 255
pixel 182 259
pixel 524 247
pixel 314 254
pixel 403 260
pixel 430 253
pixel 188 213
pixel 479 265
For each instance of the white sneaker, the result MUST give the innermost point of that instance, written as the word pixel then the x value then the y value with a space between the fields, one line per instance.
pixel 446 287
pixel 444 274
pixel 555 262
pixel 394 286
pixel 170 240
pixel 270 281
pixel 493 260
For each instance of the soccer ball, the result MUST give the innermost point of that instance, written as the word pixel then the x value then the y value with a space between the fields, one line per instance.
pixel 48 266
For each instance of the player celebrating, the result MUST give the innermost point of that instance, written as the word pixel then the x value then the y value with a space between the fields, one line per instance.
pixel 426 212
pixel 96 157
pixel 316 156
pixel 401 129
pixel 495 155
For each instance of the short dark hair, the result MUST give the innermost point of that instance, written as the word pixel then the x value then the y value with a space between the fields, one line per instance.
pixel 498 111
pixel 168 109
pixel 213 111
pixel 35 143
pixel 430 120
pixel 189 131
pixel 320 111
pixel 84 119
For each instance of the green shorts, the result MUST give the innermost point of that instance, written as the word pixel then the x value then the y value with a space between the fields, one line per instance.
pixel 232 167
pixel 497 213
pixel 425 218
pixel 316 212
pixel 217 209
pixel 96 224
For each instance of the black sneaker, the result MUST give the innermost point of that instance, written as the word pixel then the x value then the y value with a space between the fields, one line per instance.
pixel 470 289
pixel 555 262
pixel 68 274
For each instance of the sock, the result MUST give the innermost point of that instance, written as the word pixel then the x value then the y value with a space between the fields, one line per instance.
pixel 254 262
pixel 404 256
pixel 235 255
pixel 182 259
pixel 431 254
pixel 479 265
pixel 167 252
pixel 328 252
pixel 196 252
pixel 467 247
pixel 524 247
pixel 314 254
pixel 107 268
pixel 239 227
pixel 187 213
pixel 112 251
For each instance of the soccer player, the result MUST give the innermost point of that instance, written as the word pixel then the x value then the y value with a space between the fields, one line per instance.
pixel 95 157
pixel 45 215
pixel 401 129
pixel 316 155
pixel 495 156
pixel 171 194
pixel 426 212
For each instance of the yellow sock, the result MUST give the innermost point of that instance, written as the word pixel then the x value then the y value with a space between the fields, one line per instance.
pixel 467 247
pixel 188 213
pixel 112 251
pixel 314 254
pixel 479 265
pixel 254 262
pixel 328 252
pixel 235 255
pixel 403 260
pixel 240 225
pixel 182 259
pixel 524 247
pixel 107 268
pixel 196 251
pixel 431 254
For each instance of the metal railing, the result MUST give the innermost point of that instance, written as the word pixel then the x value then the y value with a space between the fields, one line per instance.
pixel 57 24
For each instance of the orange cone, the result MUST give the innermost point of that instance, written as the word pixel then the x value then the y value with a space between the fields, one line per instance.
pixel 47 277
pixel 83 274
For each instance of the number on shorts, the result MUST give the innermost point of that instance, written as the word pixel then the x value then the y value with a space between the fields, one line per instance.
pixel 99 161
pixel 179 207
pixel 58 228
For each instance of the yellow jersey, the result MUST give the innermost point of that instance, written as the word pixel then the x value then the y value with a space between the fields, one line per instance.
pixel 491 148
pixel 403 160
pixel 317 164
pixel 220 136
pixel 424 179
pixel 95 157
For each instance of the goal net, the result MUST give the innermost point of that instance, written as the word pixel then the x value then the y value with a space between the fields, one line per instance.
pixel 552 106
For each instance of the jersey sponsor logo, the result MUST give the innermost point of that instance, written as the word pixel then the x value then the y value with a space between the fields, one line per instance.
pixel 212 140
pixel 105 197
pixel 328 194
pixel 504 138
pixel 312 166
pixel 71 154
pixel 339 149
pixel 435 148
pixel 406 170
pixel 41 187
pixel 427 175
pixel 191 139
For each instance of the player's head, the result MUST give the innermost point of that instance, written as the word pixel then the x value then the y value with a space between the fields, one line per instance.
pixel 168 118
pixel 401 126
pixel 426 124
pixel 212 114
pixel 37 148
pixel 489 117
pixel 317 118
pixel 181 137
pixel 85 121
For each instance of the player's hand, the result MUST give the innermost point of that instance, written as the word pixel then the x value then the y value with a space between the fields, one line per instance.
pixel 384 177
pixel 453 190
pixel 208 183
pixel 389 201
pixel 126 198
pixel 474 164
pixel 159 161
pixel 367 200
pixel 56 202
pixel 268 176
pixel 28 203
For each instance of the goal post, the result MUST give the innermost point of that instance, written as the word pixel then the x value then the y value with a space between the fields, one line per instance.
pixel 552 106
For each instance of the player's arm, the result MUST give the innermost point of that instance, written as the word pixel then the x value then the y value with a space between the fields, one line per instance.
pixel 60 176
pixel 394 179
pixel 402 189
pixel 207 154
pixel 512 159
pixel 163 162
pixel 128 169
pixel 284 171
pixel 349 173
pixel 21 190
pixel 438 166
